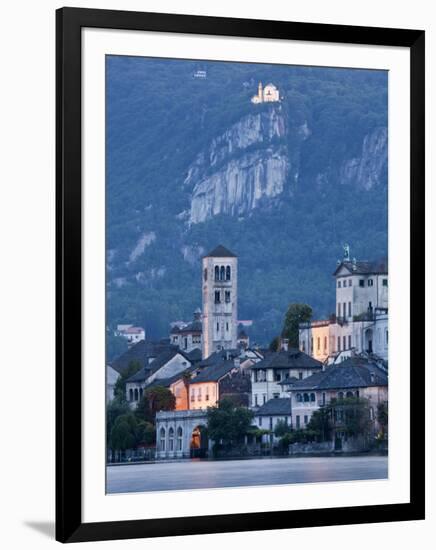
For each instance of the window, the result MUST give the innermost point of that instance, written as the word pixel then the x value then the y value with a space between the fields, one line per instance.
pixel 323 398
pixel 349 342
pixel 227 296
pixel 311 345
pixel 312 397
pixel 349 309
pixel 305 419
pixel 205 273
pixel 228 271
pixel 297 421
pixel 339 309
pixel 325 343
pixel 344 341
pixel 370 282
pixel 192 394
pixel 136 394
pixel 277 377
pixel 385 282
pixel 339 284
pixel 217 273
pixel 130 394
pixel 306 397
pixel 260 421
pixel 344 309
pixel 255 401
pixel 386 336
pixel 185 343
pixel 227 327
pixel 300 376
pixel 162 439
pixel 179 438
pixel 217 327
pixel 339 343
pixel 361 282
pixel 349 394
pixel 207 393
pixel 141 392
pixel 340 395
pixel 171 439
pixel 217 297
pixel 303 346
pixel 318 343
pixel 199 394
pixel 350 282
pixel 264 398
pixel 222 273
pixel 276 395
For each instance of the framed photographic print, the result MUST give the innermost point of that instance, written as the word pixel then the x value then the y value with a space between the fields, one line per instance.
pixel 240 228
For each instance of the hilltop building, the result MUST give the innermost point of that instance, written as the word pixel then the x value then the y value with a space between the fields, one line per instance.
pixel 132 334
pixel 360 324
pixel 220 301
pixel 268 94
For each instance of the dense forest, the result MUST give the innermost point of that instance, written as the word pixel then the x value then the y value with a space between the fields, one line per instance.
pixel 161 118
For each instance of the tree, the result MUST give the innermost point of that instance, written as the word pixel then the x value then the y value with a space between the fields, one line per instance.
pixel 353 414
pixel 228 423
pixel 157 398
pixel 114 409
pixel 282 428
pixel 383 420
pixel 296 314
pixel 275 344
pixel 120 385
pixel 124 433
pixel 320 423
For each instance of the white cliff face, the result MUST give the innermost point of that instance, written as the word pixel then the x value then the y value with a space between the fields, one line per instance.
pixel 367 170
pixel 227 178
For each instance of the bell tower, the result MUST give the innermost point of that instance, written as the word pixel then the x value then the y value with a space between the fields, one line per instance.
pixel 220 301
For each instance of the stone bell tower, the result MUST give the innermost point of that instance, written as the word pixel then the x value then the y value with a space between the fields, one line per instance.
pixel 220 300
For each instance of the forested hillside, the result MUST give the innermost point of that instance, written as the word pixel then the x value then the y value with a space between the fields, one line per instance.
pixel 192 163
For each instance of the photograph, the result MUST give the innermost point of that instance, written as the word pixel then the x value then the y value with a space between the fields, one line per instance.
pixel 246 266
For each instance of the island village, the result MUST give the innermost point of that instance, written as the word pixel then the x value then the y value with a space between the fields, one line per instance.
pixel 324 390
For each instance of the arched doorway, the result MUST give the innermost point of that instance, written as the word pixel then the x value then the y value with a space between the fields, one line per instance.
pixel 368 340
pixel 199 442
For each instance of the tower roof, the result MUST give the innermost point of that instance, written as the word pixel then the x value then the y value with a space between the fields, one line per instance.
pixel 220 252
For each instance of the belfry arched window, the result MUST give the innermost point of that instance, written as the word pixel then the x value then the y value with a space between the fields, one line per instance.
pixel 222 273
pixel 130 394
pixel 136 394
pixel 228 273
pixel 217 273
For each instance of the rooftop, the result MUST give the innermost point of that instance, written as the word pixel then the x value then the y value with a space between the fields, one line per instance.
pixel 293 358
pixel 214 372
pixel 364 267
pixel 279 406
pixel 220 252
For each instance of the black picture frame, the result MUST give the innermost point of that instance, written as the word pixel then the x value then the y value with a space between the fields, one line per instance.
pixel 69 22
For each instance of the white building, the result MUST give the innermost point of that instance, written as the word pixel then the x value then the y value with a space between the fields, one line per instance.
pixel 220 301
pixel 188 336
pixel 268 374
pixel 268 94
pixel 132 334
pixel 360 323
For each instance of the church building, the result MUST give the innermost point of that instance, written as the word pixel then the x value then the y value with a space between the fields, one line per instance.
pixel 267 94
pixel 220 301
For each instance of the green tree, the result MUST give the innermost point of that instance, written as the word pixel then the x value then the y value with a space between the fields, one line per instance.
pixel 282 428
pixel 383 420
pixel 353 415
pixel 275 344
pixel 296 314
pixel 120 386
pixel 320 423
pixel 157 398
pixel 228 423
pixel 124 433
pixel 114 409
